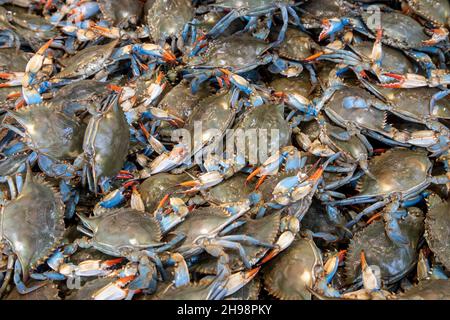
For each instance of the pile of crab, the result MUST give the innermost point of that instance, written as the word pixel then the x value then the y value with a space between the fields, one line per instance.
pixel 109 189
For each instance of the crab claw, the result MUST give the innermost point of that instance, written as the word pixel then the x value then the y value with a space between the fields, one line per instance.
pixel 112 33
pixel 314 56
pixel 332 26
pixel 332 264
pixel 438 35
pixel 407 81
pixel 238 280
pixel 154 50
pixel 90 268
pixel 167 161
pixel 371 279
pixel 36 62
pixel 114 290
pixel 204 181
pixel 283 242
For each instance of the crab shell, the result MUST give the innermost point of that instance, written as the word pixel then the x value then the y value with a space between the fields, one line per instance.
pixel 287 276
pixel 154 188
pixel 267 117
pixel 399 30
pixel 201 222
pixel 232 190
pixel 371 118
pixel 123 231
pixel 33 223
pixel 106 141
pixel 396 170
pixel 120 12
pixel 79 96
pixel 412 104
pixel 294 85
pixel 297 45
pixel 317 10
pixel 47 292
pixel 437 228
pixel 180 101
pixel 428 290
pixel 394 261
pixel 393 60
pixel 86 62
pixel 167 18
pixel 435 11
pixel 215 114
pixel 264 229
pixel 236 52
pixel 53 133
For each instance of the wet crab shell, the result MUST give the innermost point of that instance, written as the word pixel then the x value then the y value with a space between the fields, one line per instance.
pixel 123 230
pixel 297 45
pixel 167 18
pixel 201 222
pixel 428 290
pixel 438 289
pixel 80 96
pixel 315 11
pixel 249 292
pixel 393 60
pixel 154 188
pixel 234 189
pixel 121 12
pixel 294 85
pixel 106 141
pixel 215 115
pixel 396 170
pixel 33 223
pixel 413 104
pixel 51 132
pixel 287 276
pixel 371 118
pixel 191 291
pixel 399 30
pixel 86 62
pixel 394 261
pixel 236 52
pixel 435 11
pixel 267 117
pixel 437 228
pixel 264 229
pixel 180 101
pixel 47 292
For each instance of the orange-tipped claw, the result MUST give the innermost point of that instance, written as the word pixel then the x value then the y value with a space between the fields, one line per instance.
pixel 112 262
pixel 163 201
pixel 129 184
pixel 272 253
pixel 125 280
pixel 374 217
pixel 317 174
pixel 191 183
pixel 13 95
pixel 279 94
pixel 5 85
pixel 45 47
pixel 6 76
pixel 144 130
pixel 363 260
pixel 160 77
pixel 253 174
pixel 252 273
pixel 315 56
pixel 169 56
pixel 20 104
pixel 260 182
pixel 114 88
pixel 341 255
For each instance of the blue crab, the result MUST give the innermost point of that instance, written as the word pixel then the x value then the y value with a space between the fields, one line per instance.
pixel 39 211
pixel 401 175
pixel 253 9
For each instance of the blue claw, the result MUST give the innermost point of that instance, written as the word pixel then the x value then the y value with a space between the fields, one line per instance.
pixel 332 26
